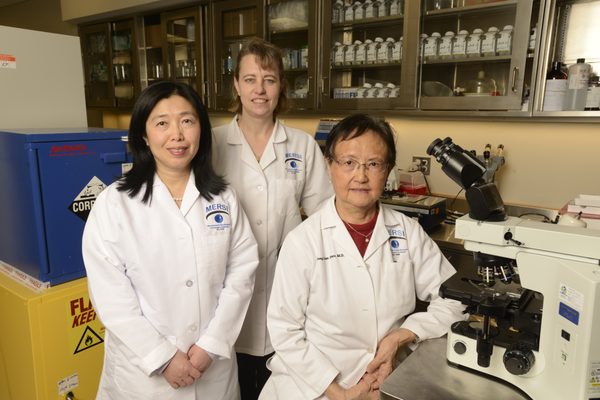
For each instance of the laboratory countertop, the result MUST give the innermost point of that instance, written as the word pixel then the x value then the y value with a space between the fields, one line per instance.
pixel 426 375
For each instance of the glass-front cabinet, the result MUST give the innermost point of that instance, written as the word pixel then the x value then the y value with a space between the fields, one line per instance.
pixel 110 77
pixel 566 87
pixel 233 21
pixel 292 26
pixel 368 54
pixel 478 54
pixel 173 50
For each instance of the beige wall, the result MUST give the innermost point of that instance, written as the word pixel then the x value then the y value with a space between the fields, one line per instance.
pixel 547 163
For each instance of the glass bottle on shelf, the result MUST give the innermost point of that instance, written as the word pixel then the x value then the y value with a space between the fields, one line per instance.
pixel 577 77
pixel 349 12
pixel 396 7
pixel 397 50
pixel 228 62
pixel 359 11
pixel 430 48
pixel 556 88
pixel 368 9
pixel 338 54
pixel 384 52
pixel 349 52
pixel 592 102
pixel 360 53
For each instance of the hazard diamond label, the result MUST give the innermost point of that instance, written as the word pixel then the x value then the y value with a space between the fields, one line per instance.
pixel 83 203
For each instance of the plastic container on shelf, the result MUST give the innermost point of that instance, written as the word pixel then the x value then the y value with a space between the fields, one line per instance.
pixel 396 7
pixel 578 77
pixel 445 47
pixel 372 50
pixel 459 48
pixel 361 92
pixel 349 54
pixel 384 52
pixel 422 38
pixel 338 54
pixel 431 46
pixel 384 8
pixel 368 9
pixel 504 41
pixel 359 11
pixel 337 12
pixel 397 50
pixel 348 12
pixel 488 43
pixel 373 92
pixel 474 43
pixel 360 52
pixel 391 90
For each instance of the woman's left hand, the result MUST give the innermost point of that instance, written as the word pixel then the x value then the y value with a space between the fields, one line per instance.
pixel 383 363
pixel 199 358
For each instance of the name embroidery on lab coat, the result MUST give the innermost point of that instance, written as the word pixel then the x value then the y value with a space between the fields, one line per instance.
pixel 294 163
pixel 339 255
pixel 397 241
pixel 217 216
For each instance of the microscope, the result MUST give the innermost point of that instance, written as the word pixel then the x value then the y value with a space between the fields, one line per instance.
pixel 534 298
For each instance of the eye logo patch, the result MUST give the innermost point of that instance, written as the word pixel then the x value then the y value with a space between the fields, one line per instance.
pixel 217 216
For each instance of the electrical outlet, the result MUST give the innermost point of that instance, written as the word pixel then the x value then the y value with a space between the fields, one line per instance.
pixel 424 164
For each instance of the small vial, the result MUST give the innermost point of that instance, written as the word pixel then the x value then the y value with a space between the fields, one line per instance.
pixel 445 48
pixel 459 48
pixel 474 43
pixel 488 43
pixel 504 41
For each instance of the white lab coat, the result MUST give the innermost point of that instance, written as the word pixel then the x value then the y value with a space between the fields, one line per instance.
pixel 163 278
pixel 291 172
pixel 330 307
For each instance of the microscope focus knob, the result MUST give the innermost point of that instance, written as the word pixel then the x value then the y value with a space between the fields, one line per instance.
pixel 518 360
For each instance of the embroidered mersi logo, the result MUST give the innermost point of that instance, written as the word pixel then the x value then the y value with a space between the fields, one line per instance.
pixel 217 216
pixel 294 163
pixel 397 241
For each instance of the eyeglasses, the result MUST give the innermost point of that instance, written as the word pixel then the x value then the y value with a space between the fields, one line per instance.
pixel 351 165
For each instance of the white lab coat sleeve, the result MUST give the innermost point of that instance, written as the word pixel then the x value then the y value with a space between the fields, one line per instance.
pixel 431 269
pixel 111 291
pixel 317 186
pixel 223 329
pixel 309 368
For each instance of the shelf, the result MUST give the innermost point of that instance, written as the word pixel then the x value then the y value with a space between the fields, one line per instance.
pixel 365 66
pixel 468 60
pixel 477 8
pixel 367 23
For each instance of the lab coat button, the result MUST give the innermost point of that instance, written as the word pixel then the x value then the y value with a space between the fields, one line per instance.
pixel 193 328
pixel 189 283
pixel 370 350
pixel 259 188
pixel 259 222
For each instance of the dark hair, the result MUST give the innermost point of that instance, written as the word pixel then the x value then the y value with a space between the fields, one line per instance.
pixel 356 125
pixel 208 182
pixel 268 56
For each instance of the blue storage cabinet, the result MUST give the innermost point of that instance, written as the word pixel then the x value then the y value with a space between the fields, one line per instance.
pixel 49 180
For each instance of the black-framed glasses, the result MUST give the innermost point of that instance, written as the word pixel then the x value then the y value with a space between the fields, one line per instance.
pixel 348 165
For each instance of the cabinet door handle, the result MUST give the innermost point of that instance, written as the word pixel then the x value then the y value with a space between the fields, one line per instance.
pixel 323 91
pixel 515 74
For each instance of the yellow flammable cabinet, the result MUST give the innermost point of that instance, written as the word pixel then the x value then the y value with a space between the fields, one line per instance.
pixel 51 342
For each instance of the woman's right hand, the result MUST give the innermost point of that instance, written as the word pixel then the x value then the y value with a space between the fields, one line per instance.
pixel 361 391
pixel 180 372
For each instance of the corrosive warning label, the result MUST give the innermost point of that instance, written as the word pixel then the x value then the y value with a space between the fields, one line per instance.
pixel 83 203
pixel 86 330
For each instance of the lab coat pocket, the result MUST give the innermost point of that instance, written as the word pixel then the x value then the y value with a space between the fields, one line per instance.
pixel 396 275
pixel 287 196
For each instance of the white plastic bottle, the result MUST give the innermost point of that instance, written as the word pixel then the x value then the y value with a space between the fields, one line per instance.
pixel 578 76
